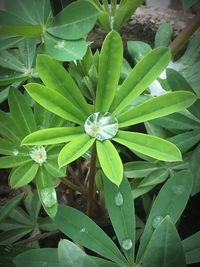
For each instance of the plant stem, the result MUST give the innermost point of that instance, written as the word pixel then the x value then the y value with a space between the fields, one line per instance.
pixel 91 180
pixel 72 185
pixel 186 33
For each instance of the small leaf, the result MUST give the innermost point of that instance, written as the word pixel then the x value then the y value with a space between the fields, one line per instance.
pixel 171 201
pixel 110 62
pixel 139 169
pixel 74 21
pixel 149 145
pixel 110 161
pixel 13 161
pixel 55 103
pixel 138 50
pixel 155 177
pixel 143 74
pixel 163 35
pixel 157 107
pixel 83 230
pixel 52 136
pixel 74 149
pixel 23 174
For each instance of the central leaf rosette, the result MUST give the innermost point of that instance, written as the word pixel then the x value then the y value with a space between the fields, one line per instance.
pixel 99 123
pixel 101 126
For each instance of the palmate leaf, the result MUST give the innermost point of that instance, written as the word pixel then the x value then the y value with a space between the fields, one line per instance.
pixel 121 211
pixel 149 145
pixel 54 76
pixel 157 107
pixel 52 136
pixel 166 242
pixel 23 174
pixel 9 41
pixel 83 230
pixel 10 61
pixel 110 161
pixel 74 21
pixel 55 103
pixel 74 149
pixel 171 201
pixel 142 75
pixel 110 62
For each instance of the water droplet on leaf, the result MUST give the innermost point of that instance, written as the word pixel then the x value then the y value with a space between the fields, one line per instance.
pixel 15 152
pixel 48 196
pixel 156 221
pixel 83 230
pixel 178 189
pixel 101 126
pixel 127 244
pixel 60 44
pixel 119 199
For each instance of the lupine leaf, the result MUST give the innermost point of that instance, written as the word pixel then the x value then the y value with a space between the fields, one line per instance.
pixel 55 103
pixel 191 247
pixel 13 161
pixel 157 107
pixel 139 169
pixel 74 149
pixel 23 174
pixel 54 76
pixel 83 230
pixel 53 136
pixel 142 75
pixel 110 62
pixel 137 50
pixel 163 35
pixel 149 145
pixel 171 201
pixel 110 161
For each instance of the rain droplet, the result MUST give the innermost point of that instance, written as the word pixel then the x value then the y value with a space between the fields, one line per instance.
pixel 156 221
pixel 60 44
pixel 101 126
pixel 6 76
pixel 83 230
pixel 178 189
pixel 119 199
pixel 15 152
pixel 48 197
pixel 127 244
pixel 44 264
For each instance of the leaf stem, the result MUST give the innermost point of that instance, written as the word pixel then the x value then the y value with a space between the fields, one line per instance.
pixel 186 33
pixel 91 180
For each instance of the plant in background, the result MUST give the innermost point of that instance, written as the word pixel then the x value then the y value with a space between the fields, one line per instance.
pixel 38 163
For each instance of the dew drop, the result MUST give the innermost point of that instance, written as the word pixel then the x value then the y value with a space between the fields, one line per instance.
pixel 15 152
pixel 101 126
pixel 83 230
pixel 60 44
pixel 48 196
pixel 127 244
pixel 119 199
pixel 178 189
pixel 44 264
pixel 156 221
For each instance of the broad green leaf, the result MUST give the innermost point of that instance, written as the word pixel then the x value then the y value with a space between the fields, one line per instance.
pixel 103 263
pixel 138 50
pixel 143 74
pixel 9 41
pixel 124 12
pixel 21 112
pixel 53 169
pixel 9 206
pixel 4 94
pixel 21 217
pixel 46 192
pixel 13 161
pixel 32 204
pixel 53 136
pixel 11 236
pixel 121 211
pixel 74 149
pixel 74 21
pixel 27 52
pixel 71 255
pixel 6 147
pixel 163 35
pixel 191 247
pixel 54 76
pixel 166 242
pixel 39 258
pixel 155 177
pixel 149 145
pixel 26 31
pixel 139 169
pixel 23 174
pixel 171 201
pixel 110 62
pixel 195 169
pixel 177 121
pixel 8 77
pixel 156 107
pixel 138 191
pixel 110 161
pixel 32 12
pixel 187 140
pixel 64 50
pixel 10 61
pixel 55 103
pixel 80 228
